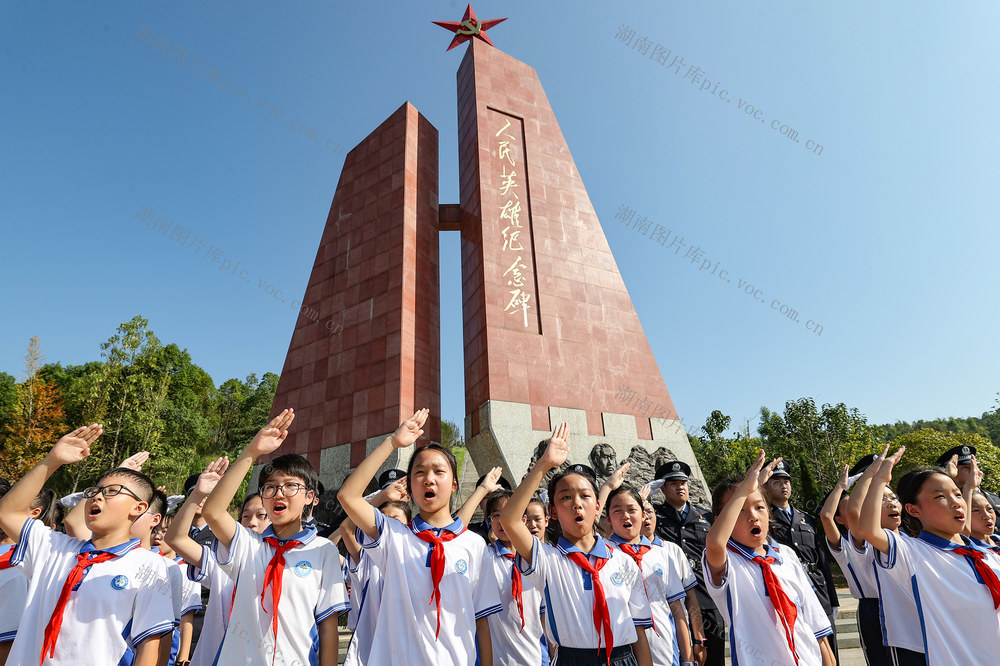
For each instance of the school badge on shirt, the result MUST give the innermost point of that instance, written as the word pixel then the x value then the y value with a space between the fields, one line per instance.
pixel 303 568
pixel 119 582
pixel 461 566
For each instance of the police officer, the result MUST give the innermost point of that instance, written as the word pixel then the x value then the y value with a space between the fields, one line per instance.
pixel 958 462
pixel 687 525
pixel 794 528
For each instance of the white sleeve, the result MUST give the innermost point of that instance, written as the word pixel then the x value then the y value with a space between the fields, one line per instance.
pixel 153 613
pixel 209 570
pixel 37 543
pixel 486 588
pixel 333 592
pixel 176 578
pixel 14 592
pixel 812 611
pixel 537 569
pixel 676 588
pixel 244 547
pixel 896 562
pixel 375 548
pixel 191 597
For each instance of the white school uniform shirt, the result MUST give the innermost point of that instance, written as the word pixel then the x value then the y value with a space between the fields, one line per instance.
pixel 312 590
pixel 512 645
pixel 569 593
pixel 663 585
pixel 220 605
pixel 756 635
pixel 958 621
pixel 14 594
pixel 405 632
pixel 366 599
pixel 117 605
pixel 857 565
pixel 678 560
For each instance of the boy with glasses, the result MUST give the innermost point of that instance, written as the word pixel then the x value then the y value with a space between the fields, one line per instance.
pixel 289 583
pixel 89 599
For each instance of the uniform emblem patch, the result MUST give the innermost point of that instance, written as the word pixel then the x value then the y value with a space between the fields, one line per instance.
pixel 119 582
pixel 617 578
pixel 658 569
pixel 461 566
pixel 303 568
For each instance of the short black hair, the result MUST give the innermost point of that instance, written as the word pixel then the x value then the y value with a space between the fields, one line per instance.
pixel 158 504
pixel 246 500
pixel 139 483
pixel 719 493
pixel 402 506
pixel 290 464
pixel 494 498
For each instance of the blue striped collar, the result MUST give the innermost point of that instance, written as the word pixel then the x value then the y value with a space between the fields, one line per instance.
pixel 118 550
pixel 600 548
pixel 419 525
pixel 771 549
pixel 985 546
pixel 307 534
pixel 643 541
pixel 944 544
pixel 657 541
pixel 499 549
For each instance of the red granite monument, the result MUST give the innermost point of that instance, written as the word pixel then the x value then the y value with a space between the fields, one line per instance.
pixel 550 333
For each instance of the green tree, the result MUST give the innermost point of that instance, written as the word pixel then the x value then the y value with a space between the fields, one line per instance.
pixel 8 398
pixel 451 435
pixel 719 456
pixel 819 442
pixel 923 447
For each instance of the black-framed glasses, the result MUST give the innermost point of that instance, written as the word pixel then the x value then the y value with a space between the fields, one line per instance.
pixel 287 489
pixel 109 491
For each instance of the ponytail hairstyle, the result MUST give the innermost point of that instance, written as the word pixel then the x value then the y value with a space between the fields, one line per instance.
pixel 52 510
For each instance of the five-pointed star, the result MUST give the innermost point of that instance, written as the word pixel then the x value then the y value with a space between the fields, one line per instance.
pixel 468 27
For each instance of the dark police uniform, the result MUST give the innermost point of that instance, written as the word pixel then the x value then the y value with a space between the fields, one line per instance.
pixel 689 532
pixel 800 532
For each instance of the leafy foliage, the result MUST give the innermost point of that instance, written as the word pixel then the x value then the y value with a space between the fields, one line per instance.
pixel 149 396
pixel 924 446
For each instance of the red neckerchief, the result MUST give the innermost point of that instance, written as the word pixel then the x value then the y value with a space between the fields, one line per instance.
pixel 272 578
pixel 602 617
pixel 783 605
pixel 83 562
pixel 437 564
pixel 636 551
pixel 986 573
pixel 5 560
pixel 516 587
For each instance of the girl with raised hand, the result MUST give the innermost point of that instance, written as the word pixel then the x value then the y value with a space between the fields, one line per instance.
pixel 435 596
pixel 596 607
pixel 770 608
pixel 947 575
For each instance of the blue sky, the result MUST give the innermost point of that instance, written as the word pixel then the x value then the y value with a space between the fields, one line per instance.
pixel 886 237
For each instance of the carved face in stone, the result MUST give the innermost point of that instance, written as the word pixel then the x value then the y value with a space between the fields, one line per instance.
pixel 604 460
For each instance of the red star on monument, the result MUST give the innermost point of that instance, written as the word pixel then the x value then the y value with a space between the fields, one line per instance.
pixel 468 27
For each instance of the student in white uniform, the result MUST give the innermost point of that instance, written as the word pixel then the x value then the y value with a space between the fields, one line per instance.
pixel 365 579
pixel 289 583
pixel 681 569
pixel 596 608
pixel 93 599
pixel 435 594
pixel 952 581
pixel 202 567
pixel 983 522
pixel 669 640
pixel 761 588
pixel 888 623
pixel 517 629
